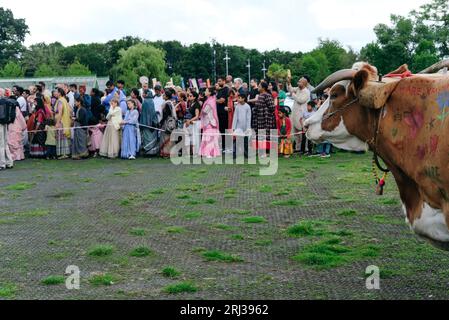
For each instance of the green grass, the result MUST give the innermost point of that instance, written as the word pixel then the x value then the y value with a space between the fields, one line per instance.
pixel 140 252
pixel 183 287
pixel 223 227
pixel 306 228
pixel 389 201
pixel 210 201
pixel 21 186
pixel 170 272
pixel 53 280
pixel 101 251
pixel 193 215
pixel 103 280
pixel 176 230
pixel 7 290
pixel 158 191
pixel 216 255
pixel 264 243
pixel 266 189
pixel 183 197
pixel 348 213
pixel 237 237
pixel 138 232
pixel 287 203
pixel 331 253
pixel 254 220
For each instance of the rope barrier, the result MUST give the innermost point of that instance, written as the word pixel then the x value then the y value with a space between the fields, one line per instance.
pixel 161 130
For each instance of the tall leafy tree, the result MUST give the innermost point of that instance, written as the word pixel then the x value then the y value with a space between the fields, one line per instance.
pixel 12 35
pixel 141 60
pixel 11 70
pixel 78 69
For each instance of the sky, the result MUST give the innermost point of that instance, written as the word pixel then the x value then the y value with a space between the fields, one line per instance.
pixel 290 25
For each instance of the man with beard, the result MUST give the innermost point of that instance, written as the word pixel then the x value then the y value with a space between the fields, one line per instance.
pixel 222 103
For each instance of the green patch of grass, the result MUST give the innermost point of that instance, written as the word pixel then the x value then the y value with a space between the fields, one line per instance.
pixel 183 287
pixel 331 253
pixel 135 199
pixel 193 202
pixel 389 201
pixel 193 215
pixel 170 272
pixel 282 193
pixel 141 252
pixel 237 237
pixel 21 186
pixel 254 220
pixel 7 290
pixel 183 197
pixel 307 228
pixel 224 227
pixel 101 251
pixel 238 212
pixel 216 255
pixel 53 280
pixel 87 180
pixel 210 201
pixel 122 174
pixel 176 230
pixel 382 219
pixel 103 280
pixel 138 232
pixel 348 213
pixel 266 189
pixel 264 243
pixel 157 191
pixel 287 203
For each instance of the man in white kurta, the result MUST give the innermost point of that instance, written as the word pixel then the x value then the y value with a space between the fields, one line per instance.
pixel 301 95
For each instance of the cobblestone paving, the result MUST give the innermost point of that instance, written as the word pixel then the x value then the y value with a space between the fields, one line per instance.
pixel 52 214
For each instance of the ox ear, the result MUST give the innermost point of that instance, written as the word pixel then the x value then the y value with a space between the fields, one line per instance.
pixel 376 95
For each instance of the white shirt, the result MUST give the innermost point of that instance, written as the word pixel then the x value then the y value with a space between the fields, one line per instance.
pixel 23 104
pixel 158 102
pixel 71 97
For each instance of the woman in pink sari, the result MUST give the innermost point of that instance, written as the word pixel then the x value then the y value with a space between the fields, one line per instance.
pixel 15 136
pixel 210 147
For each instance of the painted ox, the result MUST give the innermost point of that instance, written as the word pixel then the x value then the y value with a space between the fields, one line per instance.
pixel 405 121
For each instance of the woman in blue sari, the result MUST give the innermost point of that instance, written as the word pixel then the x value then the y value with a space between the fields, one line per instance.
pixel 131 134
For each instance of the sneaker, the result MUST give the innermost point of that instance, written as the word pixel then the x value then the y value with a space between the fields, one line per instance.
pixel 132 158
pixel 325 156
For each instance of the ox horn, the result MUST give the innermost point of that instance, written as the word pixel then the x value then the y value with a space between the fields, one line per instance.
pixel 436 67
pixel 346 74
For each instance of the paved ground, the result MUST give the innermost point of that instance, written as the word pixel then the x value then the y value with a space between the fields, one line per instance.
pixel 307 233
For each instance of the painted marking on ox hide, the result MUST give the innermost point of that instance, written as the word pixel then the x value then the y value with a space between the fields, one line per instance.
pixel 420 91
pixel 421 152
pixel 433 173
pixel 434 141
pixel 444 194
pixel 394 133
pixel 415 121
pixel 443 103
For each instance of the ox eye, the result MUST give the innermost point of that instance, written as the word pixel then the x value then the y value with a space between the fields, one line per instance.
pixel 334 96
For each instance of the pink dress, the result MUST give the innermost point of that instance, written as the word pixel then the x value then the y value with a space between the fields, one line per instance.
pixel 15 136
pixel 96 137
pixel 211 135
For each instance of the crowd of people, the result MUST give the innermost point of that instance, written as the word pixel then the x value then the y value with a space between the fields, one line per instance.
pixel 69 122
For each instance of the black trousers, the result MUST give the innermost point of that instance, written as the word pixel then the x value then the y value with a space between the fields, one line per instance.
pixel 303 144
pixel 223 125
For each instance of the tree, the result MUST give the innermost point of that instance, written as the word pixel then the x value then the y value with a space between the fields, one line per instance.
pixel 43 59
pixel 141 60
pixel 77 69
pixel 92 55
pixel 45 70
pixel 12 35
pixel 12 70
pixel 277 72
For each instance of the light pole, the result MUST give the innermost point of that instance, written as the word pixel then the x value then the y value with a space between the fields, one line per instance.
pixel 249 70
pixel 264 69
pixel 227 62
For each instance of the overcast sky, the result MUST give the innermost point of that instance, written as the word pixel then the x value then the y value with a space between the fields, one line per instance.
pixel 293 25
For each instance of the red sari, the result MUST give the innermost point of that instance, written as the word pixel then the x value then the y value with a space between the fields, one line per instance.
pixel 275 96
pixel 230 111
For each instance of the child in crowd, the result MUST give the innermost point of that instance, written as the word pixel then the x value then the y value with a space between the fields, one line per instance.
pixel 50 143
pixel 241 124
pixel 306 115
pixel 285 129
